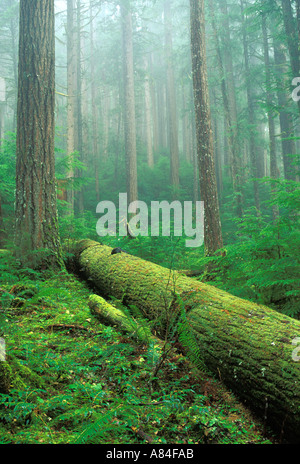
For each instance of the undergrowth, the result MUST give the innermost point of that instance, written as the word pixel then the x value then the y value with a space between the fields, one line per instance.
pixel 79 382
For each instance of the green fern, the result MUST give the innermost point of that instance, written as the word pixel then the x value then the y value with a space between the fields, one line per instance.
pixel 97 431
pixel 188 340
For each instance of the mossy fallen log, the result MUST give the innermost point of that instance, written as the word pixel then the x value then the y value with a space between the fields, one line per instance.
pixel 248 346
pixel 110 315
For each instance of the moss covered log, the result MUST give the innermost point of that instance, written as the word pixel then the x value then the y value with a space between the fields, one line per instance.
pixel 110 315
pixel 248 346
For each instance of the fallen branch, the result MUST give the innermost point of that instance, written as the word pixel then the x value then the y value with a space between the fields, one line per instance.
pixel 67 326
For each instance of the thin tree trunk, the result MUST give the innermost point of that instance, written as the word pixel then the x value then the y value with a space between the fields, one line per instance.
pixel 171 98
pixel 292 31
pixel 95 130
pixel 208 185
pixel 285 117
pixel 79 198
pixel 271 123
pixel 14 55
pixel 161 108
pixel 71 85
pixel 228 65
pixel 153 106
pixel 148 126
pixel 298 18
pixel 129 100
pixel 217 152
pixel 231 125
pixel 36 212
pixel 186 134
pixel 251 114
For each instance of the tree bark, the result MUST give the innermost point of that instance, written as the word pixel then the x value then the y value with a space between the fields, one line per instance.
pixel 71 85
pixel 148 126
pixel 79 197
pixel 208 185
pixel 231 123
pixel 36 212
pixel 95 130
pixel 248 346
pixel 171 100
pixel 251 114
pixel 270 112
pixel 129 103
pixel 291 26
pixel 285 117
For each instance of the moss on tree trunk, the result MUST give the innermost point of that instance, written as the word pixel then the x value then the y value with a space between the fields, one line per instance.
pixel 248 346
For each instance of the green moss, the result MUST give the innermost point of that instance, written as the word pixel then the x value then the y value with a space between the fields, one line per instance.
pixel 25 376
pixel 5 377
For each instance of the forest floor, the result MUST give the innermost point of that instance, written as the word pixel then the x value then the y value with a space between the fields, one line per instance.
pixel 82 382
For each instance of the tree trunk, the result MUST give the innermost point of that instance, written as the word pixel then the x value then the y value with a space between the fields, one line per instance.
pixel 171 99
pixel 271 123
pixel 36 213
pixel 298 18
pixel 292 34
pixel 251 114
pixel 248 346
pixel 285 116
pixel 95 130
pixel 231 123
pixel 79 197
pixel 153 106
pixel 148 126
pixel 208 184
pixel 129 100
pixel 71 85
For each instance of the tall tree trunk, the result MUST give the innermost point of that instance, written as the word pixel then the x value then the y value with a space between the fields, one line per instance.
pixel 228 65
pixel 171 98
pixel 298 19
pixel 270 104
pixel 71 103
pixel 186 133
pixel 285 116
pixel 36 212
pixel 105 103
pixel 251 114
pixel 292 36
pixel 217 153
pixel 292 31
pixel 79 197
pixel 14 55
pixel 129 103
pixel 231 125
pixel 161 109
pixel 148 126
pixel 153 106
pixel 95 130
pixel 208 185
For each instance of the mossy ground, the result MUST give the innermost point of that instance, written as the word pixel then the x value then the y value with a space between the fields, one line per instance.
pixel 82 382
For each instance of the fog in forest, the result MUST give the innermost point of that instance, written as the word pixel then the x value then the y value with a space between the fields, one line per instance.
pixel 149 224
pixel 148 106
